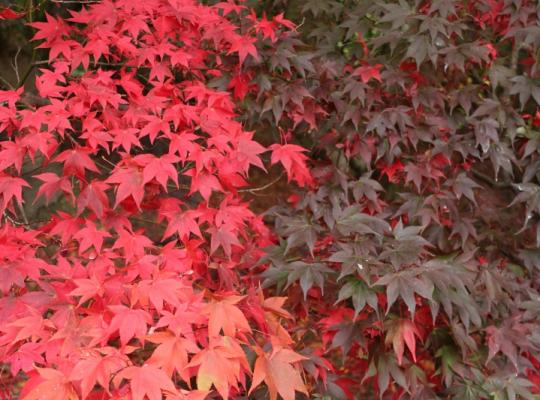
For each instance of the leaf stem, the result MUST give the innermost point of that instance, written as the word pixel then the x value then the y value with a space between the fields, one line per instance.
pixel 30 13
pixel 258 189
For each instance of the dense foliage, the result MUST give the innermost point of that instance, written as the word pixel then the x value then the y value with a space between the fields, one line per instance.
pixel 405 264
pixel 417 253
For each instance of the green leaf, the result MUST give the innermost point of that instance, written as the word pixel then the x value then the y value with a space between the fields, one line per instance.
pixel 360 294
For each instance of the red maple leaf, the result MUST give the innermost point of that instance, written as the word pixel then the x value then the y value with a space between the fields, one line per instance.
pixel 90 236
pixel 158 291
pixel 87 289
pixel 248 151
pixel 221 365
pixel 11 96
pixel 159 168
pixel 184 223
pixel 391 171
pixel 133 244
pixel 51 31
pixel 223 237
pixel 264 26
pixel 172 353
pixel 53 184
pixel 278 373
pixel 76 161
pixel 129 323
pixel 147 381
pixel 367 72
pixel 50 384
pixel 8 13
pixel 402 332
pixel 12 153
pixel 125 137
pixel 97 367
pixel 225 315
pixel 130 183
pixel 203 183
pixel 294 162
pixel 93 197
pixel 244 46
pixel 10 188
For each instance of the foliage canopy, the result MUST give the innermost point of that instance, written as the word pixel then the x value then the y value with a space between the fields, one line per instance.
pixel 404 264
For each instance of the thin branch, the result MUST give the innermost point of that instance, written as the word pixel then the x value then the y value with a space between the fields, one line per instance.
pixel 26 74
pixel 260 188
pixel 103 166
pixel 180 186
pixel 72 139
pixel 296 28
pixel 108 162
pixel 6 83
pixel 12 220
pixel 487 179
pixel 99 63
pixel 15 64
pixel 30 14
pixel 23 213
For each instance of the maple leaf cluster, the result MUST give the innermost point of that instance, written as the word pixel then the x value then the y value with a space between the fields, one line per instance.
pixel 138 285
pixel 401 261
pixel 413 254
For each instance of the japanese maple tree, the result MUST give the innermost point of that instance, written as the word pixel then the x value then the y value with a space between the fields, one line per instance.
pixel 396 147
pixel 413 257
pixel 138 284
